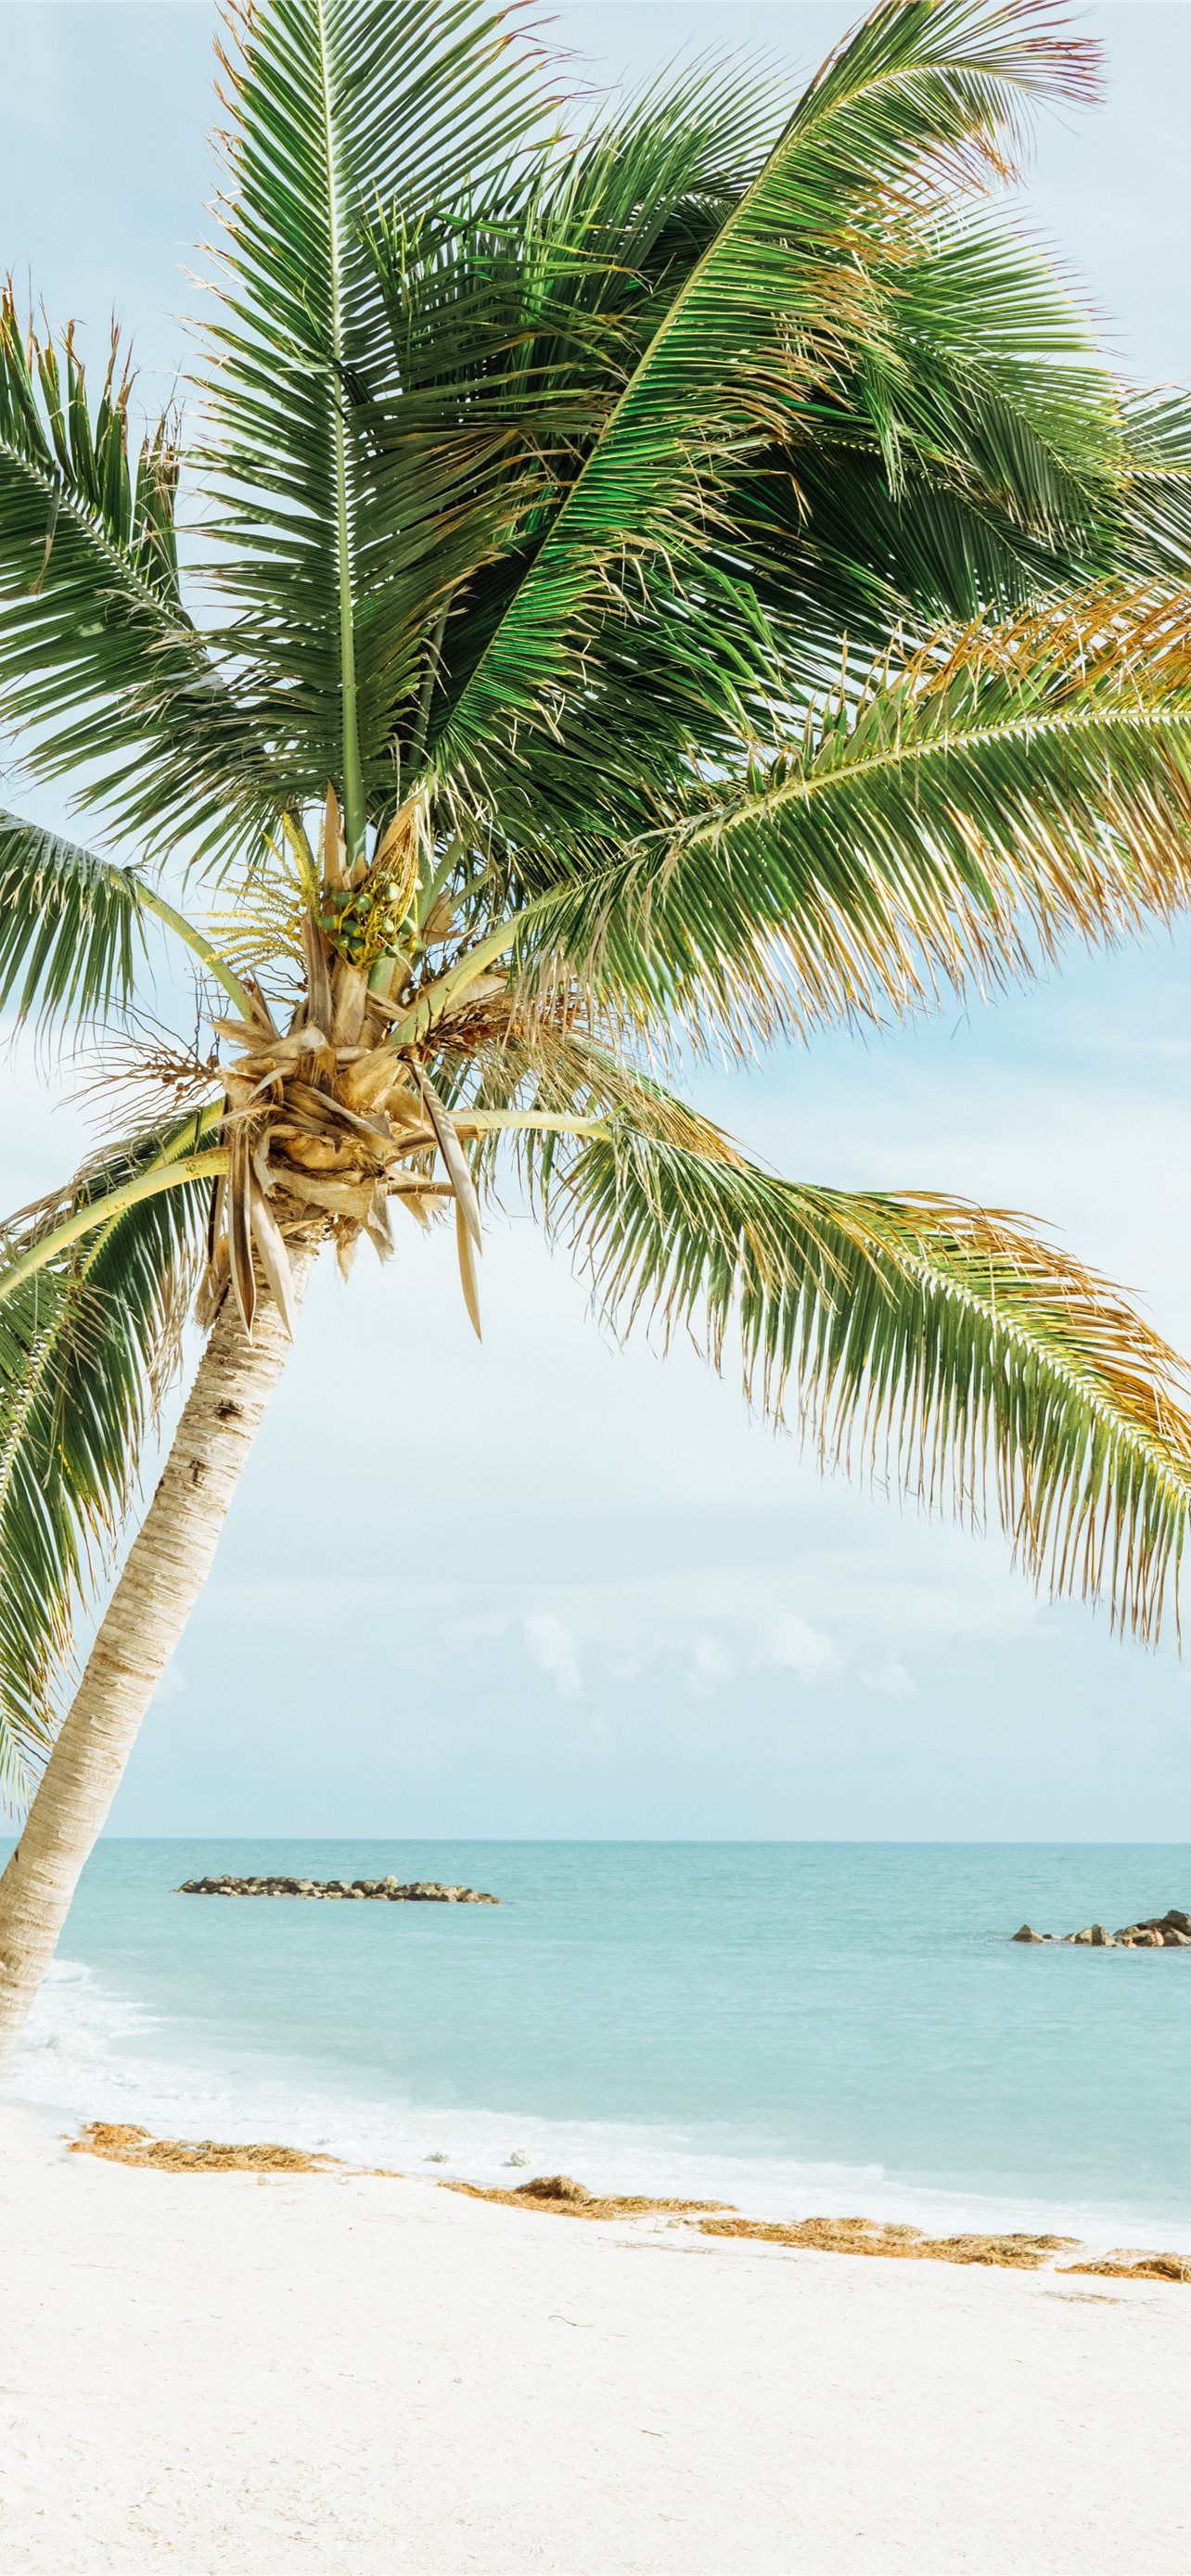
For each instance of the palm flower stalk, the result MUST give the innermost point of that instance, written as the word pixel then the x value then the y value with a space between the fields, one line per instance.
pixel 656 583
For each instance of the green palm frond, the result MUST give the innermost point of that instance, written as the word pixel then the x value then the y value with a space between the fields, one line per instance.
pixel 959 820
pixel 932 1343
pixel 779 305
pixel 87 1345
pixel 516 316
pixel 986 367
pixel 101 667
pixel 71 926
pixel 335 104
pixel 1153 512
pixel 973 461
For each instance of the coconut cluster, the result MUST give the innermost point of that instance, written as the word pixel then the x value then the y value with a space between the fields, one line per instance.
pixel 333 1120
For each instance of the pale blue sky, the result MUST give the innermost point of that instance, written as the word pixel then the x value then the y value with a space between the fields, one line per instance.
pixel 543 1588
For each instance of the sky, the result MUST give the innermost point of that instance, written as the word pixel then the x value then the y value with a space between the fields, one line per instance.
pixel 544 1587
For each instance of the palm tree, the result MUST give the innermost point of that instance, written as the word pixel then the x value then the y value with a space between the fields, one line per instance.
pixel 664 582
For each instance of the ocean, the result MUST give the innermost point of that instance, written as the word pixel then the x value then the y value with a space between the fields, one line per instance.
pixel 796 2028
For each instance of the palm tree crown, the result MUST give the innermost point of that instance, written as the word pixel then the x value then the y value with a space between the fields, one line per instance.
pixel 669 579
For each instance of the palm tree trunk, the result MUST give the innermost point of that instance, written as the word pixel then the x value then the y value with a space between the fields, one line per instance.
pixel 164 1574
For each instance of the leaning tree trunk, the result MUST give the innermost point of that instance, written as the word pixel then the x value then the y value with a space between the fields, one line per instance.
pixel 164 1574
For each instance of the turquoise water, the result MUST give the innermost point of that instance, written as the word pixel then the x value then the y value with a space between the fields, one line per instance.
pixel 791 2026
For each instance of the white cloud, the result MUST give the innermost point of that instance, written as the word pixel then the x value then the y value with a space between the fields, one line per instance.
pixel 552 1646
pixel 793 1646
pixel 891 1680
pixel 711 1664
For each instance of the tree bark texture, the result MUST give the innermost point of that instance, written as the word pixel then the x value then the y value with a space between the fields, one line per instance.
pixel 162 1578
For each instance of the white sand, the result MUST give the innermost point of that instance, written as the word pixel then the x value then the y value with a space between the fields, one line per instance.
pixel 363 2376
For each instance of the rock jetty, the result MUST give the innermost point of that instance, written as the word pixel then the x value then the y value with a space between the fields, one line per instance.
pixel 1170 1931
pixel 384 1891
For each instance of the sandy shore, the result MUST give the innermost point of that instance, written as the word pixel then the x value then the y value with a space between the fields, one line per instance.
pixel 360 2376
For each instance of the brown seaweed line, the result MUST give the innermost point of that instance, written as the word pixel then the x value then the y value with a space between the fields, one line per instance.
pixel 558 2196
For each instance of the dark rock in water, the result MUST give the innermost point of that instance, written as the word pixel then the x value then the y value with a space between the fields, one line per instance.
pixel 1170 1931
pixel 385 1891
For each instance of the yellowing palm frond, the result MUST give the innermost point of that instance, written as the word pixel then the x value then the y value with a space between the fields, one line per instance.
pixel 937 1344
pixel 959 819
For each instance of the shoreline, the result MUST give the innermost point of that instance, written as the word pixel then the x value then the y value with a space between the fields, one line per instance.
pixel 612 2159
pixel 249 2372
pixel 563 2195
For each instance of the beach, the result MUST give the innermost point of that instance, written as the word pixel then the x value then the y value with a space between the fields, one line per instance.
pixel 595 1889
pixel 350 2372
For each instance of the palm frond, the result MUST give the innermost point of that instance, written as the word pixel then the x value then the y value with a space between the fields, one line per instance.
pixel 259 922
pixel 87 1345
pixel 102 670
pixel 926 1341
pixel 780 304
pixel 517 312
pixel 1154 508
pixel 334 105
pixel 71 926
pixel 1005 789
pixel 973 460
